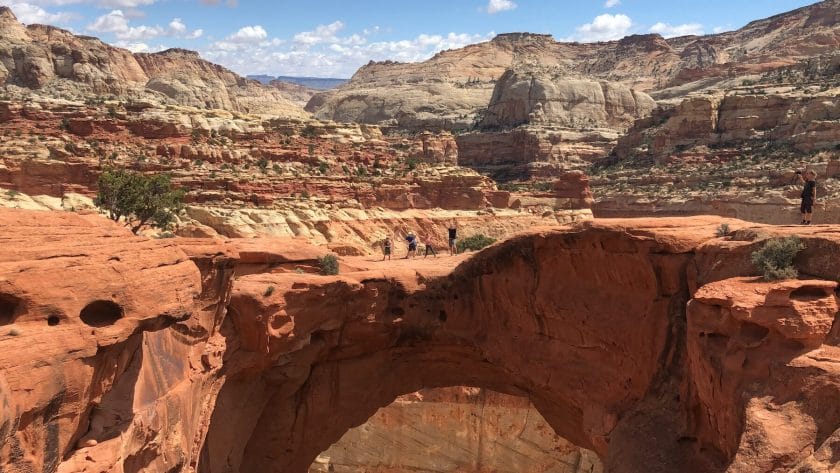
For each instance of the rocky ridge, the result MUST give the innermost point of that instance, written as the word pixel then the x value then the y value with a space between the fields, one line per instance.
pixel 450 88
pixel 51 62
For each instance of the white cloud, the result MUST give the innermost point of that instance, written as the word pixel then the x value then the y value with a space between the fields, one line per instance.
pixel 495 6
pixel 323 52
pixel 669 31
pixel 721 29
pixel 604 27
pixel 321 34
pixel 30 13
pixel 249 34
pixel 117 22
pixel 139 47
pixel 612 3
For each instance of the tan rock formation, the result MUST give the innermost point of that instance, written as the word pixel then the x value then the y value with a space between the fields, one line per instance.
pixel 575 103
pixel 448 89
pixel 57 63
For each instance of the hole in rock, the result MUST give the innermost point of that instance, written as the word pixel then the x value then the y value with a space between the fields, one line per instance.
pixel 9 308
pixel 810 293
pixel 453 430
pixel 753 333
pixel 101 313
pixel 53 320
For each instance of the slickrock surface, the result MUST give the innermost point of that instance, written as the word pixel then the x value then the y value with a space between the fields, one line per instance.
pixel 456 430
pixel 647 341
pixel 56 63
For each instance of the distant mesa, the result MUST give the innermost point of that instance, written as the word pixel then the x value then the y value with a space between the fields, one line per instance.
pixel 318 83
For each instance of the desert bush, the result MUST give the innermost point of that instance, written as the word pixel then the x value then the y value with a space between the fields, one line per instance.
pixel 328 264
pixel 139 198
pixel 268 291
pixel 475 242
pixel 775 258
pixel 722 230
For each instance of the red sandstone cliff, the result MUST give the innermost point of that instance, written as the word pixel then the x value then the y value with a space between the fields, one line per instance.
pixel 630 337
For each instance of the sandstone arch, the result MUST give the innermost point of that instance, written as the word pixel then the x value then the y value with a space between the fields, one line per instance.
pixel 581 323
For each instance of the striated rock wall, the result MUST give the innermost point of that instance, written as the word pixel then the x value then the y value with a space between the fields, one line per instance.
pixel 449 89
pixel 805 122
pixel 455 430
pixel 546 96
pixel 56 63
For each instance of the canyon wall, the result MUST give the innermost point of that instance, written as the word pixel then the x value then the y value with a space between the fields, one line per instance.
pixel 452 430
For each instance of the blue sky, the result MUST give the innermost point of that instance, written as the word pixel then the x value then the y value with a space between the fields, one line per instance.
pixel 332 38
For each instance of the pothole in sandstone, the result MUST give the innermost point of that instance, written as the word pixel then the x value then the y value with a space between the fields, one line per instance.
pixel 101 313
pixel 459 429
pixel 10 307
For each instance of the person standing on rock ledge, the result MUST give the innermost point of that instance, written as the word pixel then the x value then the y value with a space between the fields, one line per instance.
pixel 412 245
pixel 453 235
pixel 386 248
pixel 809 194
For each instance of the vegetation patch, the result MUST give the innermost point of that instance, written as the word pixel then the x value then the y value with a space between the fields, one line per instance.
pixel 328 264
pixel 775 259
pixel 475 242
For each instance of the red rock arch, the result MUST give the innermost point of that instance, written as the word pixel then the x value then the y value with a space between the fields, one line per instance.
pixel 583 325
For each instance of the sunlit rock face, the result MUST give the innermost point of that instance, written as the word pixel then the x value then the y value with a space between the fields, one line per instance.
pixel 649 342
pixel 456 430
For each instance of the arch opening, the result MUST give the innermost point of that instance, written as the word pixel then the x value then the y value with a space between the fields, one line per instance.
pixel 101 313
pixel 10 308
pixel 456 429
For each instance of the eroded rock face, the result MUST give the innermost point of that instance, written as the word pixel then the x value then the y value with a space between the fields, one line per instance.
pixel 500 432
pixel 100 334
pixel 589 322
pixel 543 96
pixel 58 63
pixel 780 337
pixel 449 89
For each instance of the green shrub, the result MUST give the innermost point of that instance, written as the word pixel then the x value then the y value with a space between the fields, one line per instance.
pixel 328 264
pixel 775 258
pixel 268 291
pixel 475 242
pixel 141 199
pixel 722 230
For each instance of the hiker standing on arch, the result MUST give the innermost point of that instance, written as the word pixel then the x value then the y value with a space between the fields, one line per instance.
pixel 453 236
pixel 386 248
pixel 809 194
pixel 412 245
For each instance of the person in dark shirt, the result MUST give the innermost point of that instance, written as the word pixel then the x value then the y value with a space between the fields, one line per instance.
pixel 809 195
pixel 412 245
pixel 453 235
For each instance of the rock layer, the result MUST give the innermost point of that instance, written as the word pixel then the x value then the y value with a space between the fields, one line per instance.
pixel 455 430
